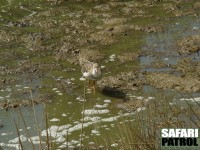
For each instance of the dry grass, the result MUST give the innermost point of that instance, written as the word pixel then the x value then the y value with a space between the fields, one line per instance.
pixel 145 131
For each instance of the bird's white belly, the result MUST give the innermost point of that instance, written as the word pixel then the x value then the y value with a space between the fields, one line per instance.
pixel 86 74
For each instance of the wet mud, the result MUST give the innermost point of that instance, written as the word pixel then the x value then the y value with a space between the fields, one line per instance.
pixel 48 40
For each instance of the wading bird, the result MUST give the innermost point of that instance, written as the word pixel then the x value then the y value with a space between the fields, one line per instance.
pixel 91 71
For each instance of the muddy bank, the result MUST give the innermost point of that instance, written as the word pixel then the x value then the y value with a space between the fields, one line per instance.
pixel 124 81
pixel 167 81
pixel 24 103
pixel 189 45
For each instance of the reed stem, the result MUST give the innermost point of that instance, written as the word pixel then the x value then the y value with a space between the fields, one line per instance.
pixel 83 113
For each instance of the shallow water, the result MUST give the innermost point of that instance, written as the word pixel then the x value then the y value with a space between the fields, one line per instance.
pixel 65 111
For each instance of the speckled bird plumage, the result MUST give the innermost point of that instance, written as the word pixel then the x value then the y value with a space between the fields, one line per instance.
pixel 90 70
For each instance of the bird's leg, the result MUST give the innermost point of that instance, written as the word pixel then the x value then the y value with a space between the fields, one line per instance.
pixel 93 86
pixel 89 83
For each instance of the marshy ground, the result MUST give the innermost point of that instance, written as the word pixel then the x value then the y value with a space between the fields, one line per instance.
pixel 141 46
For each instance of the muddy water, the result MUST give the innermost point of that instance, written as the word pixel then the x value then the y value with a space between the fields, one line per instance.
pixel 66 106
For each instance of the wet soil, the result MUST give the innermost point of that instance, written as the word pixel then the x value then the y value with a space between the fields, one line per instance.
pixel 44 41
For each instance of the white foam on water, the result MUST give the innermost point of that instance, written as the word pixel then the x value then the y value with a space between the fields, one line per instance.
pixel 2 144
pixel 114 145
pixel 35 140
pixel 107 128
pixel 107 101
pixel 94 112
pixel 54 89
pixel 8 96
pixel 64 130
pixel 111 59
pixel 101 106
pixel 140 109
pixel 82 79
pixel 111 119
pixel 76 122
pixel 101 146
pixel 80 99
pixel 150 98
pixel 16 140
pixel 75 142
pixel 4 134
pixel 95 132
pixel 91 143
pixel 195 28
pixel 62 146
pixel 79 145
pixel 67 144
pixel 55 120
pixel 18 85
pixel 79 126
pixel 91 118
pixel 98 134
pixel 60 139
pixel 64 115
pixel 71 146
pixel 72 79
pixel 60 128
pixel 17 146
pixel 197 99
pixel 112 56
pixel 140 97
